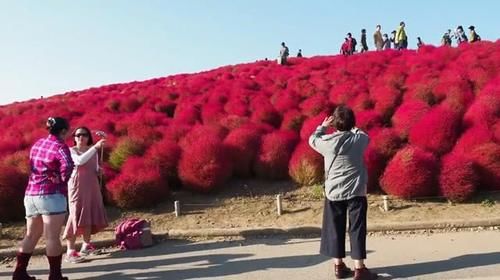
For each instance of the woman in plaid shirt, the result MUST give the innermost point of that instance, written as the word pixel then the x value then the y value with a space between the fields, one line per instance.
pixel 45 199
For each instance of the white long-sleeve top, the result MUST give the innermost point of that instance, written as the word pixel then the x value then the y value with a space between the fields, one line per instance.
pixel 81 159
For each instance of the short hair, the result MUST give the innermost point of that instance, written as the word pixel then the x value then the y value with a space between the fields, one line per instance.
pixel 56 124
pixel 363 30
pixel 471 27
pixel 401 23
pixel 349 34
pixel 90 141
pixel 378 25
pixel 343 118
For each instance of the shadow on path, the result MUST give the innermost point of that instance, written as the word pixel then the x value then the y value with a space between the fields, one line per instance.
pixel 455 263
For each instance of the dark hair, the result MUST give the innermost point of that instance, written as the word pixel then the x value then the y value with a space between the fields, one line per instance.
pixel 343 118
pixel 349 34
pixel 56 124
pixel 460 27
pixel 471 27
pixel 401 23
pixel 378 25
pixel 90 141
pixel 363 30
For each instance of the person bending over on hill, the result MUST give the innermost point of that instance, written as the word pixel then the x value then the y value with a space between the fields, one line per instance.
pixel 87 215
pixel 345 190
pixel 45 199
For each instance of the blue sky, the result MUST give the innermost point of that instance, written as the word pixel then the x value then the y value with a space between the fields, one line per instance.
pixel 50 47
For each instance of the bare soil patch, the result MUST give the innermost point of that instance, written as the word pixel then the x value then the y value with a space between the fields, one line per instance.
pixel 245 204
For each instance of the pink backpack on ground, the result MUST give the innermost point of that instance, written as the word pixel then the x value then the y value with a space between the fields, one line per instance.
pixel 133 234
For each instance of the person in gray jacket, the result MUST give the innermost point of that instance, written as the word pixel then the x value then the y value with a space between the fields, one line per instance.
pixel 345 190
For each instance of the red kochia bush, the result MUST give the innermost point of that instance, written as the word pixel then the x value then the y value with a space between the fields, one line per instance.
pixel 369 119
pixel 267 115
pixel 472 137
pixel 496 131
pixel 407 115
pixel 437 130
pixel 205 165
pixel 487 158
pixel 200 132
pixel 310 125
pixel 411 173
pixel 165 155
pixel 292 120
pixel 275 151
pixel 484 111
pixel 137 186
pixel 13 182
pixel 375 164
pixel 458 180
pixel 243 144
pixel 386 142
pixel 306 165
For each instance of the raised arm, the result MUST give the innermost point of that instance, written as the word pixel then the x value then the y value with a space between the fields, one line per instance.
pixel 83 158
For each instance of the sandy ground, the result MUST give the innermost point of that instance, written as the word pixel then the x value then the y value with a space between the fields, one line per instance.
pixel 253 204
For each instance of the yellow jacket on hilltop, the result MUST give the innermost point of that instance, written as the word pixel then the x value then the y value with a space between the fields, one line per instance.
pixel 400 34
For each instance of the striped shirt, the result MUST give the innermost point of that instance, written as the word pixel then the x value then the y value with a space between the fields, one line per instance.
pixel 51 166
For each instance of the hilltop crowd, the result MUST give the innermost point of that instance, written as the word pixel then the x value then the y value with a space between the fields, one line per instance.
pixel 398 40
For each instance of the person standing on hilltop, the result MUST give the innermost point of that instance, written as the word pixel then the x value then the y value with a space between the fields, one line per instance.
pixel 378 39
pixel 420 43
pixel 345 191
pixel 345 49
pixel 364 45
pixel 446 39
pixel 284 53
pixel 387 42
pixel 351 42
pixel 401 40
pixel 473 36
pixel 460 35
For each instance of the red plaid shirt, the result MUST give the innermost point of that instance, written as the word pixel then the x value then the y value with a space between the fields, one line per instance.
pixel 51 167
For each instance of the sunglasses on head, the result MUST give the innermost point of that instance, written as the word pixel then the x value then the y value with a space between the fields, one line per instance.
pixel 81 134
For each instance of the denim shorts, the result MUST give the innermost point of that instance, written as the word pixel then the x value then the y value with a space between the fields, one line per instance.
pixel 45 205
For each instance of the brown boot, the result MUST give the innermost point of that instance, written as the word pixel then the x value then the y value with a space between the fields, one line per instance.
pixel 364 274
pixel 342 271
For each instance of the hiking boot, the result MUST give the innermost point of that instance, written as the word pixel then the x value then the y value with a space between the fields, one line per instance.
pixel 90 250
pixel 342 271
pixel 364 274
pixel 74 257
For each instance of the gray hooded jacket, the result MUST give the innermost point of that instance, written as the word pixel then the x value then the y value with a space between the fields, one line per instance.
pixel 346 174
